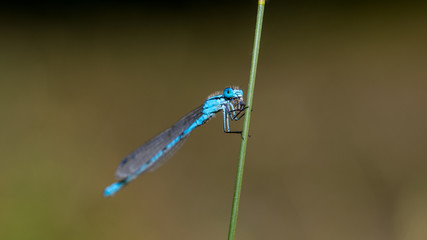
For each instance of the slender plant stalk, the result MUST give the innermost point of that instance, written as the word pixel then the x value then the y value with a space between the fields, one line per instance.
pixel 239 177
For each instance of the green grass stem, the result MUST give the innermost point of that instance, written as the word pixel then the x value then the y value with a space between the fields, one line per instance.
pixel 241 163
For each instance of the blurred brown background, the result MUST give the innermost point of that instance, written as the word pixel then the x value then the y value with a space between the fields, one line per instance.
pixel 339 127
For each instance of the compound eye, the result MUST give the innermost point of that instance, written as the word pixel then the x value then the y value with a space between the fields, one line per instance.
pixel 228 93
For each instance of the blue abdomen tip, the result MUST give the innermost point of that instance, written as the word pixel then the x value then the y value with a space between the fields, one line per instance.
pixel 112 189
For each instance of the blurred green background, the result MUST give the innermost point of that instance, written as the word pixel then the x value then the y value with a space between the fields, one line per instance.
pixel 339 127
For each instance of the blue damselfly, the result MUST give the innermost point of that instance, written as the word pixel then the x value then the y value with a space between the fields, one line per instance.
pixel 160 148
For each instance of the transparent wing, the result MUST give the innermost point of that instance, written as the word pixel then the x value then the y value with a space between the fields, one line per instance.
pixel 168 154
pixel 134 161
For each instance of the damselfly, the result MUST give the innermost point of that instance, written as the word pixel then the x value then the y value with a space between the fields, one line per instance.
pixel 160 148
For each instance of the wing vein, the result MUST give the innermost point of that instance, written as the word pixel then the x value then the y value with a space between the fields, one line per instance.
pixel 142 156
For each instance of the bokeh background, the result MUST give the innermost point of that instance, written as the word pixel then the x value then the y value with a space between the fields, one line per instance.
pixel 339 127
